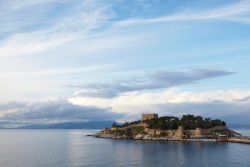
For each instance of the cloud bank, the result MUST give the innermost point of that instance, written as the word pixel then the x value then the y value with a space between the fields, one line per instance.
pixel 60 111
pixel 150 81
pixel 226 105
pixel 223 104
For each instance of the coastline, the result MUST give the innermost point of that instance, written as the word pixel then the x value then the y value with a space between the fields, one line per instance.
pixel 239 140
pixel 244 140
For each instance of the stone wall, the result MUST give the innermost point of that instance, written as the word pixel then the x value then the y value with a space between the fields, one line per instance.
pixel 178 134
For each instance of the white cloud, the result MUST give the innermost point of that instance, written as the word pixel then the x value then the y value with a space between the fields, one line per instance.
pixel 31 43
pixel 229 105
pixel 239 11
pixel 44 83
pixel 76 25
pixel 16 16
pixel 138 101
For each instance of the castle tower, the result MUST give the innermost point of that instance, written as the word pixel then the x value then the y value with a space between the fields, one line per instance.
pixel 179 133
pixel 145 117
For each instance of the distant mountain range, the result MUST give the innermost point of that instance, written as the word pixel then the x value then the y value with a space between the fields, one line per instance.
pixel 71 125
pixel 94 125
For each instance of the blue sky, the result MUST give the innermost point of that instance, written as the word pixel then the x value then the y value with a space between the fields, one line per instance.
pixel 168 56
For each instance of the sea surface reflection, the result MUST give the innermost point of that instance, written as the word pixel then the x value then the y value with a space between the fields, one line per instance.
pixel 63 148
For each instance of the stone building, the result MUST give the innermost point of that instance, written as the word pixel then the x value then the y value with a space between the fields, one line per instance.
pixel 145 117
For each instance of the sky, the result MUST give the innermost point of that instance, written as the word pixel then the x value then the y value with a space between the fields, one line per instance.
pixel 94 60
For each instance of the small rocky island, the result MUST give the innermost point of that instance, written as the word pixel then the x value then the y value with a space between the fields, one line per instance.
pixel 169 128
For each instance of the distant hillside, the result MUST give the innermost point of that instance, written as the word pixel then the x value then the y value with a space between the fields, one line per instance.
pixel 72 125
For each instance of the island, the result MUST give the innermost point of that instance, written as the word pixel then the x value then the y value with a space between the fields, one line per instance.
pixel 170 128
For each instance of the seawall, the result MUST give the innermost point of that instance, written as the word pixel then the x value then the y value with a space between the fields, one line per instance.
pixel 239 140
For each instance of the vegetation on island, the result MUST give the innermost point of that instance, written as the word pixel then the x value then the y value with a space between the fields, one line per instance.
pixel 169 128
pixel 171 123
pixel 187 127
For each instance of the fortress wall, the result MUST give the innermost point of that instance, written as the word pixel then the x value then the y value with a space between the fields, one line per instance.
pixel 179 134
pixel 195 133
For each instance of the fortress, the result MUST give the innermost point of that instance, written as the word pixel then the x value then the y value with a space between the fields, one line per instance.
pixel 186 128
pixel 178 134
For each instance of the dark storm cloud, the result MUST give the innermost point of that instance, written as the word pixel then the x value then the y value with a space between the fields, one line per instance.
pixel 52 112
pixel 150 81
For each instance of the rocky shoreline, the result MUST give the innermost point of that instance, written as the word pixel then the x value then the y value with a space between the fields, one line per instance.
pixel 147 137
pixel 139 132
pixel 243 140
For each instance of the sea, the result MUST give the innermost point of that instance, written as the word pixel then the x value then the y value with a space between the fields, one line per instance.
pixel 72 148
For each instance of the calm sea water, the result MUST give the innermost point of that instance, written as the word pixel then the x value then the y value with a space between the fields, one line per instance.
pixel 63 148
